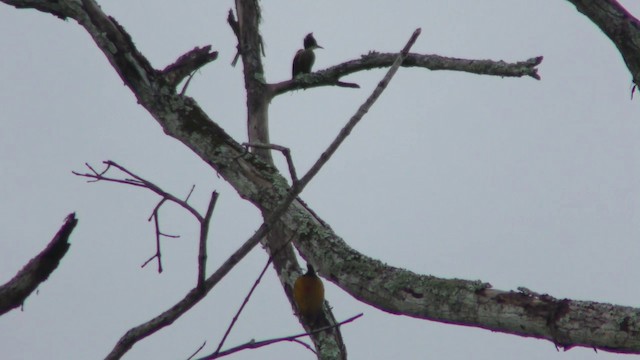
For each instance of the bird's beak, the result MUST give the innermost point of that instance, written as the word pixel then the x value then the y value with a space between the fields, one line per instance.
pixel 319 47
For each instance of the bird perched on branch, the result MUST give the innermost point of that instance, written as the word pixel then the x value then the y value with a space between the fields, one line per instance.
pixel 304 59
pixel 308 292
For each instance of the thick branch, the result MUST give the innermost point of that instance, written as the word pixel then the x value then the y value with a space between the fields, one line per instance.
pixel 374 60
pixel 250 48
pixel 57 8
pixel 13 293
pixel 620 26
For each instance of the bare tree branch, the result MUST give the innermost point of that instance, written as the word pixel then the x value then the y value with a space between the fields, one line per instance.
pixel 38 269
pixel 204 234
pixel 60 9
pixel 244 303
pixel 362 110
pixel 374 60
pixel 197 351
pixel 188 64
pixel 199 292
pixel 258 99
pixel 620 26
pixel 294 338
pixel 235 27
pixel 471 303
pixel 136 180
pixel 155 216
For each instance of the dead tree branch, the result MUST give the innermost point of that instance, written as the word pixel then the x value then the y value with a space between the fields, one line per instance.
pixel 136 180
pixel 374 60
pixel 38 269
pixel 188 64
pixel 362 110
pixel 394 290
pixel 294 338
pixel 244 303
pixel 620 26
pixel 199 292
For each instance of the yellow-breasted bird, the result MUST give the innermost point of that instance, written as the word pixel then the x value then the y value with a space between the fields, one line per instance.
pixel 308 292
pixel 304 59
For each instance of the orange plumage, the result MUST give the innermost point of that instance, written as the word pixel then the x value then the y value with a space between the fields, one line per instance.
pixel 308 292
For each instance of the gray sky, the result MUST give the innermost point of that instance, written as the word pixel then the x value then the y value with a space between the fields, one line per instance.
pixel 515 182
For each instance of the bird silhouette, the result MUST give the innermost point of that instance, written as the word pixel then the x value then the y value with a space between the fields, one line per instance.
pixel 304 58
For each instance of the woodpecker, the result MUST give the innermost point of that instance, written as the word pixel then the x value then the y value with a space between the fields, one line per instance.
pixel 308 292
pixel 303 61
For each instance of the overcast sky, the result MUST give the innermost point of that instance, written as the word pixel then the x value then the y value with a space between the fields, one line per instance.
pixel 515 182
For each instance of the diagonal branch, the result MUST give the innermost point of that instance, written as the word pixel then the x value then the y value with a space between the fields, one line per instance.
pixel 242 306
pixel 38 269
pixel 364 108
pixel 619 25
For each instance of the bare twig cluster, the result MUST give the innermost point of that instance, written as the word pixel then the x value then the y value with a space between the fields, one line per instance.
pixel 135 180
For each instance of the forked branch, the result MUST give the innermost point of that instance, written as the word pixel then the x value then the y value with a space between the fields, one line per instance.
pixel 135 180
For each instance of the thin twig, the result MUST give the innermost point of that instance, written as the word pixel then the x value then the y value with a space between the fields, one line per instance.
pixel 98 176
pixel 246 299
pixel 197 350
pixel 258 344
pixel 156 224
pixel 235 27
pixel 194 296
pixel 186 84
pixel 139 181
pixel 244 303
pixel 190 192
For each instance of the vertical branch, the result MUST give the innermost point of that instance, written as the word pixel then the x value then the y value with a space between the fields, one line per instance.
pixel 156 222
pixel 250 43
pixel 204 234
